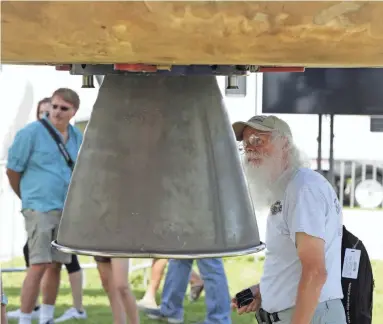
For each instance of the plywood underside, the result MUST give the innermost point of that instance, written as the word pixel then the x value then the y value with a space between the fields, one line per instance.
pixel 303 33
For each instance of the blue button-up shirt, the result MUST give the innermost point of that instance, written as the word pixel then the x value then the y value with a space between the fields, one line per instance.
pixel 45 173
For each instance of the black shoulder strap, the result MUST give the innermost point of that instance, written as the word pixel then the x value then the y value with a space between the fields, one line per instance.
pixel 59 143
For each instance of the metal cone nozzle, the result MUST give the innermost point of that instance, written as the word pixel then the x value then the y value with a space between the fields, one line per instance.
pixel 159 175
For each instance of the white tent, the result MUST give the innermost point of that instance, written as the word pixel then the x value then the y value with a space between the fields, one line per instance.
pixel 21 88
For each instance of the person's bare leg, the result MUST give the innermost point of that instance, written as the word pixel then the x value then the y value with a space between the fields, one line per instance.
pixel 26 258
pixel 116 305
pixel 3 318
pixel 76 280
pixel 157 272
pixel 30 291
pixel 196 286
pixel 77 311
pixel 49 291
pixel 195 279
pixel 50 288
pixel 120 270
pixel 3 312
pixel 31 287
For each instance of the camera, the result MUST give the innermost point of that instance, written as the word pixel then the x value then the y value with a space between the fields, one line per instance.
pixel 244 297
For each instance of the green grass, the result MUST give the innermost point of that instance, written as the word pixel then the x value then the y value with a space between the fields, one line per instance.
pixel 241 272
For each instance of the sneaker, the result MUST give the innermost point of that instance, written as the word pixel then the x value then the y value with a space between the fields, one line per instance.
pixel 155 314
pixel 71 313
pixel 16 313
pixel 51 321
pixel 146 303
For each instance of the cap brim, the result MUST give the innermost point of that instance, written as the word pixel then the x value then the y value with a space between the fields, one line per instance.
pixel 239 127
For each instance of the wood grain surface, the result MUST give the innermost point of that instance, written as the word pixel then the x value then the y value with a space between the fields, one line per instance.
pixel 302 33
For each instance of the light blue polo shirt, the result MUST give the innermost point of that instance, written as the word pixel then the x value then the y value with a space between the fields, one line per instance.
pixel 45 173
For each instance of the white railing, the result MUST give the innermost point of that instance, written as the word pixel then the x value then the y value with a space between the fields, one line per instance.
pixel 362 183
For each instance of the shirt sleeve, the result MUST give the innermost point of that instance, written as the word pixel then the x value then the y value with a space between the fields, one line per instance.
pixel 307 213
pixel 80 138
pixel 20 151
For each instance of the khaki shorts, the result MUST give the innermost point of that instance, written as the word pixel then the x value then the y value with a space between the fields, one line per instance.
pixel 42 229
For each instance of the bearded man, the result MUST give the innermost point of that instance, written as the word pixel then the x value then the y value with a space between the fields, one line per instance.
pixel 301 283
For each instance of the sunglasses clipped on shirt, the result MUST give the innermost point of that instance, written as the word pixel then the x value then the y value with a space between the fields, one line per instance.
pixel 62 108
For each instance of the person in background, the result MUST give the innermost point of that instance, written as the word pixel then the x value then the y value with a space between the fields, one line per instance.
pixel 43 108
pixel 114 275
pixel 74 270
pixel 40 176
pixel 158 269
pixel 176 282
pixel 4 302
pixel 301 281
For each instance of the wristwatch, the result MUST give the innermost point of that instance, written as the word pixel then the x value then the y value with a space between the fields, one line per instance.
pixel 4 299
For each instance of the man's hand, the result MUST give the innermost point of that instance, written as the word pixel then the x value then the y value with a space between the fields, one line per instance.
pixel 14 180
pixel 253 306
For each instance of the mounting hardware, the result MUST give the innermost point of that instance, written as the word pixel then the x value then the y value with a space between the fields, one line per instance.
pixel 87 81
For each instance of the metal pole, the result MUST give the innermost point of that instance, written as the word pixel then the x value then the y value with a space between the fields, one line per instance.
pixel 341 183
pixel 331 168
pixel 352 193
pixel 319 140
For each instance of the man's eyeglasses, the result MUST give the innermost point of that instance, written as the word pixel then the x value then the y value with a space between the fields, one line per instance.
pixel 254 140
pixel 62 108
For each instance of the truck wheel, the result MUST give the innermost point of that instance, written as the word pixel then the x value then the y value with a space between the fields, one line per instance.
pixel 369 192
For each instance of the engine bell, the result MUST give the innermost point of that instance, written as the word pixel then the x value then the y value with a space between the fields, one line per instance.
pixel 159 175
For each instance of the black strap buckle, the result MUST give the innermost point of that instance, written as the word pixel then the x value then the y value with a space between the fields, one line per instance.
pixel 264 317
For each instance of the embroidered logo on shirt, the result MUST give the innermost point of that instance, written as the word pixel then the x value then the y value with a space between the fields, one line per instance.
pixel 276 208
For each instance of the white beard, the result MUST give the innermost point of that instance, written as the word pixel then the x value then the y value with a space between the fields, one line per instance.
pixel 268 180
pixel 261 178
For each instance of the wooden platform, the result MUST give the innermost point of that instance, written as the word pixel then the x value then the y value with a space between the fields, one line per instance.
pixel 303 33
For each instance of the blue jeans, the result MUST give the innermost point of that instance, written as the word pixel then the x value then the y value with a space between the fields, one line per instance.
pixel 216 289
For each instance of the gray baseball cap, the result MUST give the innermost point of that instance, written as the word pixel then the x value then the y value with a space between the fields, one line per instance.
pixel 262 123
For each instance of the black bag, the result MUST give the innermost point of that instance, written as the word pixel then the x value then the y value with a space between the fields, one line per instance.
pixel 59 143
pixel 358 293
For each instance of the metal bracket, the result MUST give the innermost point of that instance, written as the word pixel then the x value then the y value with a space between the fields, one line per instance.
pixel 105 69
pixel 235 86
pixel 236 90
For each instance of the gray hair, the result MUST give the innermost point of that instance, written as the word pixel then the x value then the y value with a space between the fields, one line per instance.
pixel 296 157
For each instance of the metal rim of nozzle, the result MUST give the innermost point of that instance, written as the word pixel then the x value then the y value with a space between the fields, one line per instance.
pixel 247 251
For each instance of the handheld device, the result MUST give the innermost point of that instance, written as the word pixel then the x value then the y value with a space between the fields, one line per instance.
pixel 244 297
